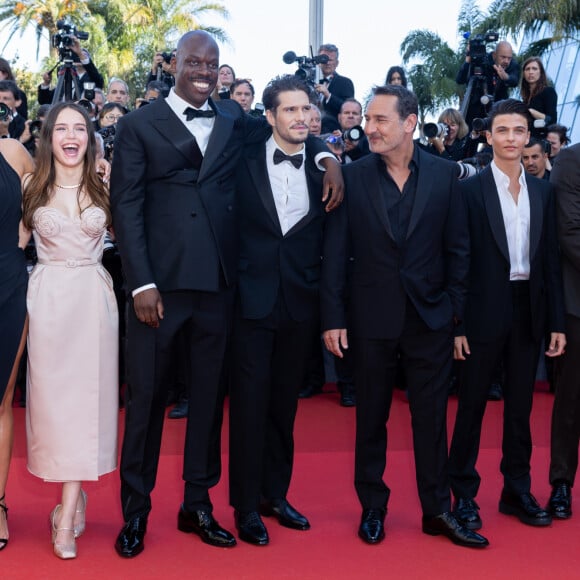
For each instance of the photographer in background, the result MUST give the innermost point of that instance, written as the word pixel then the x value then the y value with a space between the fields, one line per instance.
pixel 163 70
pixel 13 124
pixel 31 134
pixel 356 144
pixel 154 90
pixel 498 69
pixel 6 74
pixel 451 140
pixel 86 71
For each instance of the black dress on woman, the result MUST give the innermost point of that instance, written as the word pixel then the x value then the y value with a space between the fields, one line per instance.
pixel 13 273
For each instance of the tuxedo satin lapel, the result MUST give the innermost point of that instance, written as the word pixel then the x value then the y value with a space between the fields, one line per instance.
pixel 172 129
pixel 220 135
pixel 314 198
pixel 493 210
pixel 424 187
pixel 373 187
pixel 259 173
pixel 536 218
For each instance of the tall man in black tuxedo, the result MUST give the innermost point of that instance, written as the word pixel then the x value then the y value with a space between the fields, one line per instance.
pixel 172 196
pixel 403 222
pixel 565 178
pixel 333 88
pixel 277 308
pixel 514 296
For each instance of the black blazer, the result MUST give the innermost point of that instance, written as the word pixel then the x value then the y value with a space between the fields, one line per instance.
pixel 341 88
pixel 430 268
pixel 269 262
pixel 175 224
pixel 488 312
pixel 565 178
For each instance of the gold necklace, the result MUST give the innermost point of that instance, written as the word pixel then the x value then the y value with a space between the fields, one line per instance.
pixel 68 186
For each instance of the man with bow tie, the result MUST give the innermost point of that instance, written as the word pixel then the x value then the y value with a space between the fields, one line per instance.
pixel 333 88
pixel 173 204
pixel 276 324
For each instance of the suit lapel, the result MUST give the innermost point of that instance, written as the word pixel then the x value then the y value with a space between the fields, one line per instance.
pixel 493 209
pixel 171 128
pixel 258 170
pixel 372 184
pixel 424 185
pixel 314 193
pixel 536 218
pixel 220 135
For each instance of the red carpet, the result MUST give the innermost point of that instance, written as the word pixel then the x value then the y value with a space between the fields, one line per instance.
pixel 322 489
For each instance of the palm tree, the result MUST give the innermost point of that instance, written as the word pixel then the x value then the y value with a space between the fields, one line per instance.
pixel 432 75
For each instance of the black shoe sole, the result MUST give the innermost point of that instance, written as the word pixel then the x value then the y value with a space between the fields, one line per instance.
pixel 509 510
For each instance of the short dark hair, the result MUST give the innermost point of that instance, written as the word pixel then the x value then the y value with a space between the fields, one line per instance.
pixel 350 100
pixel 158 86
pixel 281 84
pixel 510 107
pixel 9 86
pixel 406 100
pixel 239 82
pixel 392 71
pixel 560 130
pixel 533 141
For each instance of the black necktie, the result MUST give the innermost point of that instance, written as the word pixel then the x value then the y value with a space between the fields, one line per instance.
pixel 280 156
pixel 191 113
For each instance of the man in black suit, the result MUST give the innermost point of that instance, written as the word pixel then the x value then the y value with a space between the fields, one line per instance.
pixel 333 88
pixel 565 178
pixel 172 196
pixel 277 319
pixel 403 223
pixel 514 296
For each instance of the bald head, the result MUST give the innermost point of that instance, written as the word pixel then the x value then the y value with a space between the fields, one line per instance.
pixel 503 54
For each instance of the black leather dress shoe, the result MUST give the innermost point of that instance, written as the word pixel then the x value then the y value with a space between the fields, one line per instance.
pixel 251 528
pixel 446 524
pixel 180 410
pixel 465 510
pixel 495 392
pixel 347 395
pixel 372 526
pixel 285 513
pixel 560 504
pixel 203 524
pixel 309 390
pixel 525 507
pixel 130 539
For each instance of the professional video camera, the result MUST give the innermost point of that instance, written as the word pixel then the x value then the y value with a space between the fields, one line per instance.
pixel 477 48
pixel 306 65
pixel 63 39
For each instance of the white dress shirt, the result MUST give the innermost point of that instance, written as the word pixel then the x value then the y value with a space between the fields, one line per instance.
pixel 289 187
pixel 516 219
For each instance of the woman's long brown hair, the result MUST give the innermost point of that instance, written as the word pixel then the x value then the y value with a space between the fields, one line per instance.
pixel 40 184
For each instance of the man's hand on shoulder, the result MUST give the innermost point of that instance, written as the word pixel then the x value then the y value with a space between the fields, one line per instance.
pixel 333 183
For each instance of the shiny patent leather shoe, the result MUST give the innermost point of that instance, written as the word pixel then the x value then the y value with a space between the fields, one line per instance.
pixel 466 511
pixel 560 504
pixel 203 524
pixel 288 516
pixel 446 524
pixel 525 507
pixel 4 509
pixel 80 515
pixel 130 541
pixel 251 528
pixel 372 526
pixel 63 550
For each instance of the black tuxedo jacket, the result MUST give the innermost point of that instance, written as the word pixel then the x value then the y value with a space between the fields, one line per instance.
pixel 565 177
pixel 488 312
pixel 341 88
pixel 269 262
pixel 175 223
pixel 429 268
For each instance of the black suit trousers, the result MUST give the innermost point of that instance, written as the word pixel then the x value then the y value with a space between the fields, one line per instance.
pixel 566 411
pixel 520 351
pixel 426 357
pixel 204 319
pixel 270 357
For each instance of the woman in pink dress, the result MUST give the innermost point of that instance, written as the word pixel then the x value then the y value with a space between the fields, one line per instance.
pixel 72 342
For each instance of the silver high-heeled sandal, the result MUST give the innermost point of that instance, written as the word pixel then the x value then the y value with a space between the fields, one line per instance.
pixel 79 526
pixel 62 551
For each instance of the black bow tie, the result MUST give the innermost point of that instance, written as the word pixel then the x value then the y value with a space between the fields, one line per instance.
pixel 280 156
pixel 326 80
pixel 191 113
